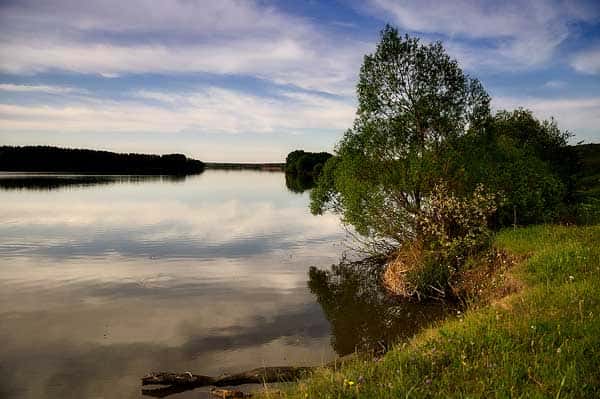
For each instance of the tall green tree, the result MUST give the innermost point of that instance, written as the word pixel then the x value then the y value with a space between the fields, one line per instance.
pixel 414 103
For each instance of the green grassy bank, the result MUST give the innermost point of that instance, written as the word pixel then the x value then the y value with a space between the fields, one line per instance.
pixel 543 341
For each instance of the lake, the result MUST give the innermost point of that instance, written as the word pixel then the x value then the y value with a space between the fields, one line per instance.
pixel 105 278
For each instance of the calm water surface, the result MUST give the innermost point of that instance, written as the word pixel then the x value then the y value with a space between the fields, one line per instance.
pixel 104 279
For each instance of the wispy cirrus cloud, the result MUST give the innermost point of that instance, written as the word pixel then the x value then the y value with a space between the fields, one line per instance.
pixel 500 35
pixel 72 17
pixel 211 109
pixel 9 87
pixel 112 38
pixel 283 61
pixel 587 61
pixel 555 84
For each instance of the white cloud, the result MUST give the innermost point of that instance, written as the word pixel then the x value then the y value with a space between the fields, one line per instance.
pixel 466 18
pixel 213 110
pixel 107 59
pixel 516 34
pixel 587 62
pixel 578 115
pixel 218 223
pixel 39 88
pixel 225 37
pixel 555 84
pixel 145 16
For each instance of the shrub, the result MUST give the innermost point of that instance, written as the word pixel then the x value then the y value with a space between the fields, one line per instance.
pixel 452 228
pixel 456 227
pixel 588 212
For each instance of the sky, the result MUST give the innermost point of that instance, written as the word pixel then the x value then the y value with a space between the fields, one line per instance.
pixel 251 80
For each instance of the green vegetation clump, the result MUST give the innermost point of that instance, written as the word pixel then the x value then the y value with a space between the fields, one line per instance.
pixel 527 161
pixel 587 184
pixel 414 103
pixel 541 342
pixel 588 179
pixel 423 124
pixel 305 163
pixel 303 168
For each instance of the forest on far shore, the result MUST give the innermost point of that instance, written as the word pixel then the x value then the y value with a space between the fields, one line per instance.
pixel 55 159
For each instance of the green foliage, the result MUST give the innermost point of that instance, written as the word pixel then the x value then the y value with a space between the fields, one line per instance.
pixel 537 166
pixel 533 188
pixel 420 120
pixel 302 169
pixel 324 192
pixel 300 162
pixel 543 138
pixel 453 229
pixel 454 226
pixel 588 176
pixel 414 103
pixel 588 212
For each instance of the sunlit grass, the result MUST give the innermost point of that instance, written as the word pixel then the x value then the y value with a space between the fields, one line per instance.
pixel 541 342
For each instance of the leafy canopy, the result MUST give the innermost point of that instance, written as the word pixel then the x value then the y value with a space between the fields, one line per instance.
pixel 414 103
pixel 526 160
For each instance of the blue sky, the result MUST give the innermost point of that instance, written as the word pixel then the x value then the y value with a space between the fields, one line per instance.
pixel 252 80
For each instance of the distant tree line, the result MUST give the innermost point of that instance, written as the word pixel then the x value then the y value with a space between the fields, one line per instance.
pixel 55 159
pixel 302 169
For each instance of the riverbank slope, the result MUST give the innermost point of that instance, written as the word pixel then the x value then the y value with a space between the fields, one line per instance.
pixel 543 341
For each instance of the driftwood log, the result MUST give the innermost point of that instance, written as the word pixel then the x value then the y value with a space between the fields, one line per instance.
pixel 179 382
pixel 229 393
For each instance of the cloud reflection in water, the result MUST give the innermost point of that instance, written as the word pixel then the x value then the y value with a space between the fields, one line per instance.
pixel 101 284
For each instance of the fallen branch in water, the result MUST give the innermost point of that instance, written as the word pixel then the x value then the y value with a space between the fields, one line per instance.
pixel 180 382
pixel 177 379
pixel 229 394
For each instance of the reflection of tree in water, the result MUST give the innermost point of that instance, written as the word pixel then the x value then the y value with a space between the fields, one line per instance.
pixel 362 316
pixel 298 183
pixel 53 182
